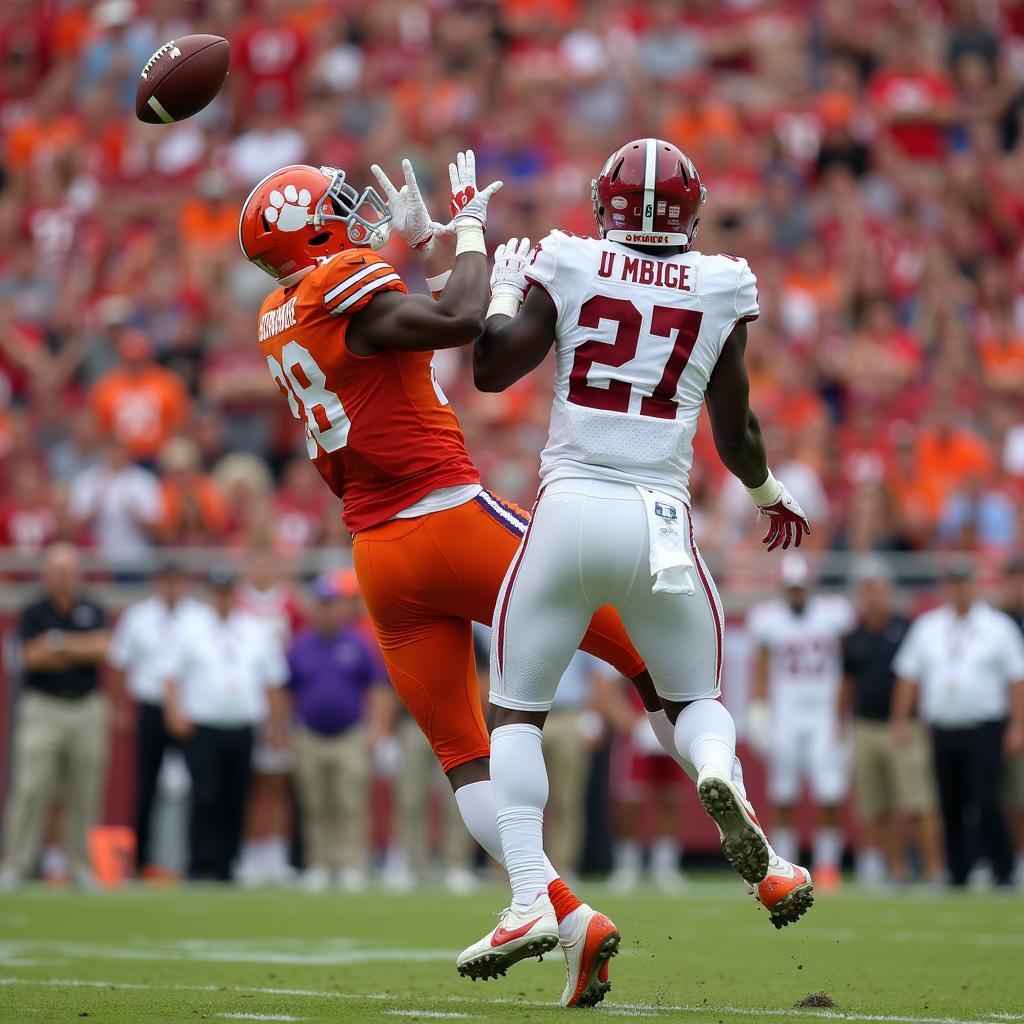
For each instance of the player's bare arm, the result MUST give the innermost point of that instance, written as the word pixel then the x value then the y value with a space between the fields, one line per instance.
pixel 740 446
pixel 514 340
pixel 734 424
pixel 417 323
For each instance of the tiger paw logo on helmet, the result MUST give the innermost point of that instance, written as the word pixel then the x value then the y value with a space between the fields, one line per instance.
pixel 289 210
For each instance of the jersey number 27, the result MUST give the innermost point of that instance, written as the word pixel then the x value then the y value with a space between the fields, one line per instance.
pixel 661 403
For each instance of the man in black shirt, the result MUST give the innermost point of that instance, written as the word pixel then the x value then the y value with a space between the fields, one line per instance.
pixel 1013 605
pixel 60 734
pixel 889 778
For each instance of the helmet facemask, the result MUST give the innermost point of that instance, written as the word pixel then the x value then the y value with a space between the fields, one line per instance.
pixel 349 203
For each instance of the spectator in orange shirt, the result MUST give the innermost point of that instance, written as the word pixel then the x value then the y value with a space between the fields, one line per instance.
pixel 949 454
pixel 209 218
pixel 193 511
pixel 918 497
pixel 1002 358
pixel 50 132
pixel 140 403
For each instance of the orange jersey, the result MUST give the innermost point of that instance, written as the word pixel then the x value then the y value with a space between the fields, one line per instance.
pixel 378 428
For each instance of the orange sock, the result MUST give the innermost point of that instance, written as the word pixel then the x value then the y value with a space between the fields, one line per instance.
pixel 563 899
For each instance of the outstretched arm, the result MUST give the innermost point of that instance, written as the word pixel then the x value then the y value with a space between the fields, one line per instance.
pixel 415 322
pixel 514 340
pixel 510 347
pixel 740 445
pixel 419 324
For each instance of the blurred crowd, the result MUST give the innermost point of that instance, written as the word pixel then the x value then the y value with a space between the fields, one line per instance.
pixel 867 158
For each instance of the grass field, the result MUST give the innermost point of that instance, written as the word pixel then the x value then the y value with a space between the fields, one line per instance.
pixel 213 954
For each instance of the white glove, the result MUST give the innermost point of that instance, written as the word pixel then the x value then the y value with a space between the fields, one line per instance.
pixel 788 522
pixel 759 727
pixel 468 204
pixel 508 275
pixel 409 216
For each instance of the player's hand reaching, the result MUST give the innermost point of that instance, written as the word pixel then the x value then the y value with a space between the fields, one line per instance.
pixel 468 203
pixel 787 521
pixel 508 275
pixel 409 216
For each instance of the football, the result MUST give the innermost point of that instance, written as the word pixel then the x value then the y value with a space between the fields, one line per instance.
pixel 181 78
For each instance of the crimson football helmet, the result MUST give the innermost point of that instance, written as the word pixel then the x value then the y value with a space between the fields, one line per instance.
pixel 648 193
pixel 299 215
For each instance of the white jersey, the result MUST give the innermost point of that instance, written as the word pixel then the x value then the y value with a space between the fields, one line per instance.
pixel 638 337
pixel 804 651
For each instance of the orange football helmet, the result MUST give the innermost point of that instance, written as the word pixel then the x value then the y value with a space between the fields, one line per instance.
pixel 300 215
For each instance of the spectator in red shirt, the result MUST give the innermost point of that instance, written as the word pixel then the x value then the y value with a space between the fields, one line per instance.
pixel 269 56
pixel 914 99
pixel 28 520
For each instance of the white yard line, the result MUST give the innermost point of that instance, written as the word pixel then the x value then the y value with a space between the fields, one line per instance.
pixel 331 954
pixel 439 1014
pixel 259 1016
pixel 606 1008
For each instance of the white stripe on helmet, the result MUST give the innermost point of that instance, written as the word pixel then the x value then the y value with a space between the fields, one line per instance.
pixel 650 176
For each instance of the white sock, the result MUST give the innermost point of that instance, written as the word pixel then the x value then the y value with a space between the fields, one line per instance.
pixel 665 856
pixel 627 856
pixel 666 733
pixel 784 838
pixel 705 734
pixel 476 805
pixel 520 780
pixel 276 851
pixel 828 848
pixel 737 779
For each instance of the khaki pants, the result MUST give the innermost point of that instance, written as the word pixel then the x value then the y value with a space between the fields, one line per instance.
pixel 334 787
pixel 420 775
pixel 58 746
pixel 567 759
pixel 890 777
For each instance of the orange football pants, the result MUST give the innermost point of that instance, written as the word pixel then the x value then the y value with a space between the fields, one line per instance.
pixel 425 581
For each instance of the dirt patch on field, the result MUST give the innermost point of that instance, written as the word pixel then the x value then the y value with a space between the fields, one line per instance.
pixel 816 1001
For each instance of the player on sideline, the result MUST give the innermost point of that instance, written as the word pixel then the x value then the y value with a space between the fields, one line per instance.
pixel 351 352
pixel 794 711
pixel 643 327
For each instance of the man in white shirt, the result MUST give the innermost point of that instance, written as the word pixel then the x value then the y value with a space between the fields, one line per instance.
pixel 224 677
pixel 119 502
pixel 962 664
pixel 143 641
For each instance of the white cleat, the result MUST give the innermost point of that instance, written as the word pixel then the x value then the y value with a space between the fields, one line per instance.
pixel 594 941
pixel 522 932
pixel 743 839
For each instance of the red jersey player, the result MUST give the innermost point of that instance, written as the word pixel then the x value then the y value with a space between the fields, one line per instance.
pixel 351 351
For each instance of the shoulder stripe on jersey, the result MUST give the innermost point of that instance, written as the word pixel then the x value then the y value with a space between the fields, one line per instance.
pixel 353 279
pixel 376 283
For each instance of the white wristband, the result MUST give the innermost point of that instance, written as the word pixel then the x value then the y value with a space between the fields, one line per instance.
pixel 438 281
pixel 469 238
pixel 768 493
pixel 503 304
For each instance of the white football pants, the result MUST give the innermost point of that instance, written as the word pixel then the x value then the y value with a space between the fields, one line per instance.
pixel 587 546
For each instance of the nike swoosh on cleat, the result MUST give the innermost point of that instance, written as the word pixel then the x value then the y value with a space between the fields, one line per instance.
pixel 500 936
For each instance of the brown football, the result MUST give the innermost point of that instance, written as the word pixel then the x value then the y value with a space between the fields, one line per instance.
pixel 181 78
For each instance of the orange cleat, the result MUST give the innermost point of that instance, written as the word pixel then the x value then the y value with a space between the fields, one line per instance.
pixel 594 942
pixel 787 891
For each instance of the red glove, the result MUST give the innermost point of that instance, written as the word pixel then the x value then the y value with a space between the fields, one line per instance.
pixel 788 521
